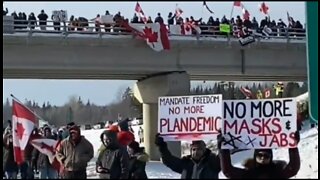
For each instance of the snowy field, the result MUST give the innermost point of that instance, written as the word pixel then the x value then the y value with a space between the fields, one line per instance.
pixel 308 148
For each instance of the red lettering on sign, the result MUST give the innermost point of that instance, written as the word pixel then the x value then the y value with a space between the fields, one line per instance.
pixel 255 123
pixel 233 126
pixel 163 122
pixel 265 125
pixel 190 124
pixel 244 126
pixel 292 138
pixel 284 140
pixel 276 123
pixel 275 140
pixel 264 143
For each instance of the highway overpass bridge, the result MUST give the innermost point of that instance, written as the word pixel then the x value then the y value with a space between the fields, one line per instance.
pixel 30 55
pixel 55 56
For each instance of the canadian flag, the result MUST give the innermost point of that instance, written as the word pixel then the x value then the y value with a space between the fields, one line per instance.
pixel 47 147
pixel 245 13
pixel 139 10
pixel 23 123
pixel 267 93
pixel 246 92
pixel 155 34
pixel 264 8
pixel 178 12
pixel 237 3
pixel 182 29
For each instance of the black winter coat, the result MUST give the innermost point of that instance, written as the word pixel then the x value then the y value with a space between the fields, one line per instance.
pixel 207 168
pixel 115 161
pixel 8 158
pixel 137 166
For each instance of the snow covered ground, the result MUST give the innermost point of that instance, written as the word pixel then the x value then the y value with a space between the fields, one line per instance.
pixel 308 148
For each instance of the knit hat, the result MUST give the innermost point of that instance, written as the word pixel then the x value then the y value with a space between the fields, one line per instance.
pixel 269 151
pixel 199 143
pixel 70 124
pixel 113 128
pixel 74 128
pixel 134 145
pixel 124 124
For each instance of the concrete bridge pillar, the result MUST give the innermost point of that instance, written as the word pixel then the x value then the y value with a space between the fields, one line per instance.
pixel 147 92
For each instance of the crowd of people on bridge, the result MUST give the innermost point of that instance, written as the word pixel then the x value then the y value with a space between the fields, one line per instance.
pixel 239 25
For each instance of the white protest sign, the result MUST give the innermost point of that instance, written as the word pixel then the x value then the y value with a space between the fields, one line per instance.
pixel 175 29
pixel 59 16
pixel 107 19
pixel 189 117
pixel 254 124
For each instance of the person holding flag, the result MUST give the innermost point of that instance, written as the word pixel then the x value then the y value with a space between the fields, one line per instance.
pixel 23 123
pixel 10 167
pixel 44 165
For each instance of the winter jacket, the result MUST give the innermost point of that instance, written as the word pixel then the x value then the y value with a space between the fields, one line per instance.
pixel 114 159
pixel 207 168
pixel 43 18
pixel 276 169
pixel 74 157
pixel 137 166
pixel 8 158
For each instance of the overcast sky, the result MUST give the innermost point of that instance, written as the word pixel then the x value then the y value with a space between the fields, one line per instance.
pixel 57 92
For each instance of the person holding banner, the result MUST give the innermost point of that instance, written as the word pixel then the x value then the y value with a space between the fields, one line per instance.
pixel 262 165
pixel 42 160
pixel 201 164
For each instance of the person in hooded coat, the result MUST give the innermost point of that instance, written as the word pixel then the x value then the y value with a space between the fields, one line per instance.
pixel 10 167
pixel 262 166
pixel 201 164
pixel 74 153
pixel 137 161
pixel 113 160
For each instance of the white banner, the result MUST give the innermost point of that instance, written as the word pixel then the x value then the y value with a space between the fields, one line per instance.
pixel 189 117
pixel 107 19
pixel 177 30
pixel 254 124
pixel 60 16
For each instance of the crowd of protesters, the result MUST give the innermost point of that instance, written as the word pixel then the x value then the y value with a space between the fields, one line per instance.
pixel 118 157
pixel 121 157
pixel 211 27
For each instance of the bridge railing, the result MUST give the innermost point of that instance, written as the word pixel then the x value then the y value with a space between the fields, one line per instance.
pixel 66 28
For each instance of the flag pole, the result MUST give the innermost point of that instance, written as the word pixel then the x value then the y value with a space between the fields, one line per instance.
pixel 231 11
pixel 15 98
pixel 202 10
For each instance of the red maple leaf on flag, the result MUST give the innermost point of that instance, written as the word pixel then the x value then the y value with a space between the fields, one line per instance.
pixel 188 28
pixel 264 8
pixel 49 148
pixel 150 35
pixel 20 130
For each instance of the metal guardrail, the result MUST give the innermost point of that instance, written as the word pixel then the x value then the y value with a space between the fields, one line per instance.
pixel 66 28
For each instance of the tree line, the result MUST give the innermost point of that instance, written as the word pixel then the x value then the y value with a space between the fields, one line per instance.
pixel 127 106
